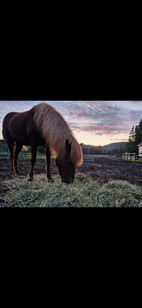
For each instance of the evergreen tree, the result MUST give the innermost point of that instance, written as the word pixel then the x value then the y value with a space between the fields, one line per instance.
pixel 140 130
pixel 135 137
pixel 41 149
pixel 138 135
pixel 131 141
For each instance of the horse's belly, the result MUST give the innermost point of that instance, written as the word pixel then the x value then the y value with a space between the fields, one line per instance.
pixel 20 138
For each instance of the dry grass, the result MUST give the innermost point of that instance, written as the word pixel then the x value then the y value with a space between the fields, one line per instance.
pixel 83 193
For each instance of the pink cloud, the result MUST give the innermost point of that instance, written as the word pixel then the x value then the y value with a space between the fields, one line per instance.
pixel 105 129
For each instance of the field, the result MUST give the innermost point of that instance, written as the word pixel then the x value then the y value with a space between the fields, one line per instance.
pixel 106 182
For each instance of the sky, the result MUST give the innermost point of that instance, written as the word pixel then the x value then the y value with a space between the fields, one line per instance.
pixel 92 122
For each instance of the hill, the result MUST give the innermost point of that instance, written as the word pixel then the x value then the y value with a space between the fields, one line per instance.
pixel 117 147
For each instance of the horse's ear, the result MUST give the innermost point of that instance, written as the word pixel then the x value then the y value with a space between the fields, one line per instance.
pixel 68 146
pixel 81 145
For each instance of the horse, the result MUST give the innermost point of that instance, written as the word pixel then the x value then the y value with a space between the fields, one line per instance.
pixel 43 126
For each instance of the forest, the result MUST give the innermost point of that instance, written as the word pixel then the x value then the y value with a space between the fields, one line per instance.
pixel 135 137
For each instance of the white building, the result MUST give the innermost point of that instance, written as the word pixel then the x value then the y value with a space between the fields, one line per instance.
pixel 140 149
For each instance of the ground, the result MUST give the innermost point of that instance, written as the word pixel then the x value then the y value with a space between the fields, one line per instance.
pixel 102 169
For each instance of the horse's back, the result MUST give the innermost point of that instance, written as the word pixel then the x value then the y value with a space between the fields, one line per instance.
pixel 23 129
pixel 17 126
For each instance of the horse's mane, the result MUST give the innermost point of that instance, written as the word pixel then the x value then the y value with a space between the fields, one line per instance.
pixel 56 131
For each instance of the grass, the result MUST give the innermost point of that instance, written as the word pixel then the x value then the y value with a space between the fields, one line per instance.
pixel 84 192
pixel 27 156
pixel 134 161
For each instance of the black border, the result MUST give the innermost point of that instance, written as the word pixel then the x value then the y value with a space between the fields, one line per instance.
pixel 71 86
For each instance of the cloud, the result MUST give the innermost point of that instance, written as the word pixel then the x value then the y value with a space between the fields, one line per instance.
pixel 105 129
pixel 100 118
pixel 119 139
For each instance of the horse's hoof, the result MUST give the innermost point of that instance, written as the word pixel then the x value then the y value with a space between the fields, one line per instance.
pixel 17 173
pixel 50 180
pixel 30 179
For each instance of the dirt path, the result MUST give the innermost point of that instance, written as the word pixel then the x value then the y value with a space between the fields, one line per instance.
pixel 102 169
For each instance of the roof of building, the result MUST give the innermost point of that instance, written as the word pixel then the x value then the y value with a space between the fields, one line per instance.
pixel 140 144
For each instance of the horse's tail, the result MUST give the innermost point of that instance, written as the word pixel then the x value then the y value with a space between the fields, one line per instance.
pixel 5 131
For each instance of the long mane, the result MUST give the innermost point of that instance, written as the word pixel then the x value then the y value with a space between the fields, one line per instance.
pixel 56 131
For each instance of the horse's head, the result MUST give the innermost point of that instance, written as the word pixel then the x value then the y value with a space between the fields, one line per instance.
pixel 65 166
pixel 66 170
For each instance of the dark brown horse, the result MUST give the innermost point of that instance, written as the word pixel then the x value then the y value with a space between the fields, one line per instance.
pixel 43 125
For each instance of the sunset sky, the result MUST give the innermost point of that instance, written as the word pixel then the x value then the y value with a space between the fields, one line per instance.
pixel 92 122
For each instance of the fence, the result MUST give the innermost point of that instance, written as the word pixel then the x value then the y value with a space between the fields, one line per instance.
pixel 7 155
pixel 3 147
pixel 131 156
pixel 22 156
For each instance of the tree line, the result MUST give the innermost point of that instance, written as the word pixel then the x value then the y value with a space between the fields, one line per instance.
pixel 135 137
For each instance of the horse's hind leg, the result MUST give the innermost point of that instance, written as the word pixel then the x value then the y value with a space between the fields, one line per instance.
pixel 33 160
pixel 17 151
pixel 48 161
pixel 11 149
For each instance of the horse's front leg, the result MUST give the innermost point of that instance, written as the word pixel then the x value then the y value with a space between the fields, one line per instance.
pixel 33 160
pixel 48 162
